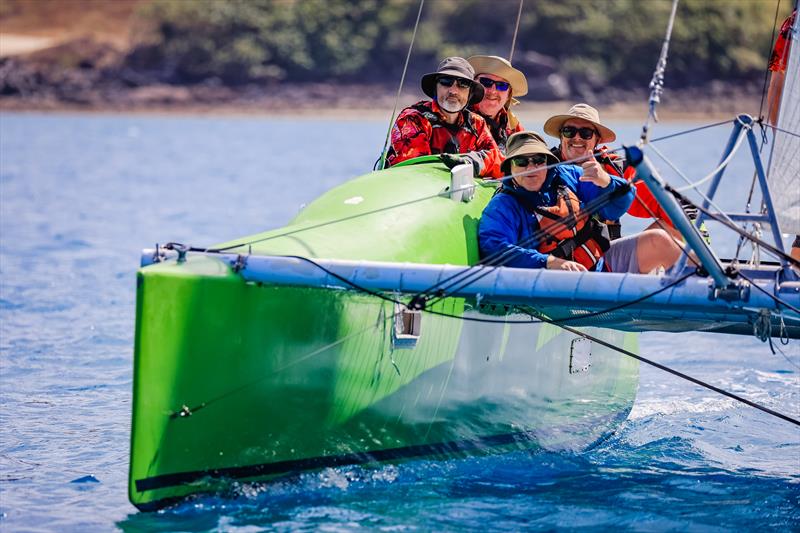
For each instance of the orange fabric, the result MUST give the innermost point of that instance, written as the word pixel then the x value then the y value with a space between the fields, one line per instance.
pixel 568 220
pixel 644 205
pixel 780 53
pixel 421 130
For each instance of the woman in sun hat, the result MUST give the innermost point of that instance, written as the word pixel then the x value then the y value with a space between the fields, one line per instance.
pixel 501 83
pixel 539 217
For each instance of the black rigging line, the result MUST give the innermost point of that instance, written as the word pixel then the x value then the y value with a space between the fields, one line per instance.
pixel 502 257
pixel 437 195
pixel 734 227
pixel 586 336
pixel 686 132
pixel 787 132
pixel 769 53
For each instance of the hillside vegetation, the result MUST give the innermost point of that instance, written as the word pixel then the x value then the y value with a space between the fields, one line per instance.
pixel 605 42
pixel 601 49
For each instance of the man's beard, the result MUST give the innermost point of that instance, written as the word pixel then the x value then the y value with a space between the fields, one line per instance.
pixel 451 107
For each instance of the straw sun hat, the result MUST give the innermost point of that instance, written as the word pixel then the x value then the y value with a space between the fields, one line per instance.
pixel 586 112
pixel 501 67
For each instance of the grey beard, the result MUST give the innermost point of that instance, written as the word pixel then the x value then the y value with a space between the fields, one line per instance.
pixel 450 108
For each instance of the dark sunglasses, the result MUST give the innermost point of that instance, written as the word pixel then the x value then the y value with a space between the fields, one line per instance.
pixel 524 161
pixel 448 81
pixel 585 133
pixel 501 86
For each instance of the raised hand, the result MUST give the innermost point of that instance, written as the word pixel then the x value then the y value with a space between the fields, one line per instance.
pixel 593 171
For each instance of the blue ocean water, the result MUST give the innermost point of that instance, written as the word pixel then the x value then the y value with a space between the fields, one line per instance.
pixel 80 195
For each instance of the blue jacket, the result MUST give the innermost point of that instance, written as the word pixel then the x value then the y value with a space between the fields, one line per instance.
pixel 507 226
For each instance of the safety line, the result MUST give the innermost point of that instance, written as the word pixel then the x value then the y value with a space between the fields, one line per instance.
pixel 516 30
pixel 400 88
pixel 610 346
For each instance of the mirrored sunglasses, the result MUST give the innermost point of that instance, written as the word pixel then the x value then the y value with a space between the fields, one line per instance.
pixel 585 132
pixel 524 161
pixel 448 81
pixel 501 86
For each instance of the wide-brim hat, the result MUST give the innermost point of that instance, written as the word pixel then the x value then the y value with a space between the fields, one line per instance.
pixel 458 67
pixel 526 143
pixel 586 112
pixel 501 67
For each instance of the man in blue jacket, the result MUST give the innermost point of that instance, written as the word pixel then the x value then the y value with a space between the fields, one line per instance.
pixel 542 217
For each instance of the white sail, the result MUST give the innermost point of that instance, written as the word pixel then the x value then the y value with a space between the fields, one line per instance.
pixel 784 175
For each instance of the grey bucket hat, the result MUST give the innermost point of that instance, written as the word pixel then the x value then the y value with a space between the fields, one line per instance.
pixel 458 67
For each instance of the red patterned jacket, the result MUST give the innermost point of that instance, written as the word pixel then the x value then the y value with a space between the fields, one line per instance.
pixel 421 130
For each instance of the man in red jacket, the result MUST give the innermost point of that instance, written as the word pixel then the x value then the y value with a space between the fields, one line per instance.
pixel 445 125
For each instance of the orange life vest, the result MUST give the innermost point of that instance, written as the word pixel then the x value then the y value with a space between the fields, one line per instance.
pixel 570 233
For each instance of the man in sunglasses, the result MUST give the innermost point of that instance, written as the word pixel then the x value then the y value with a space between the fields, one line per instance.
pixel 501 82
pixel 582 137
pixel 543 217
pixel 444 125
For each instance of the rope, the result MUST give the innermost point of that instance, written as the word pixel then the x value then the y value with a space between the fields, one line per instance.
pixel 501 257
pixel 687 180
pixel 400 88
pixel 657 82
pixel 692 130
pixel 721 165
pixel 767 246
pixel 609 345
pixel 516 30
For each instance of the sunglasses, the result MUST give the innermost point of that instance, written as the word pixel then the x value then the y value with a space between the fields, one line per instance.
pixel 448 81
pixel 501 86
pixel 585 133
pixel 524 161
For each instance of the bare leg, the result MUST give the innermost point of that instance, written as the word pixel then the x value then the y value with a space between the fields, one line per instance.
pixel 663 224
pixel 655 248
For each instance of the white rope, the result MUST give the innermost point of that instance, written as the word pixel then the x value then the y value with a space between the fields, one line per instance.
pixel 400 88
pixel 722 165
pixel 516 30
pixel 687 180
pixel 657 82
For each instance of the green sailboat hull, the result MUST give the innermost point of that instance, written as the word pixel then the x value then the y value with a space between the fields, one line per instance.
pixel 248 381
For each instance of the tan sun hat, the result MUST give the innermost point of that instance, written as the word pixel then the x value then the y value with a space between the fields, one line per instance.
pixel 501 67
pixel 553 125
pixel 526 143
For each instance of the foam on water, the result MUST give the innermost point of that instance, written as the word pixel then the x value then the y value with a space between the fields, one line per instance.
pixel 81 195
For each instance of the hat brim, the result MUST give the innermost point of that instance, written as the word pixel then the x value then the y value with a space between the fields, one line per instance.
pixel 528 148
pixel 428 85
pixel 553 127
pixel 494 65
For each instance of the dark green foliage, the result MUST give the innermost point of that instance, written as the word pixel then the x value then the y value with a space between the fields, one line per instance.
pixel 614 42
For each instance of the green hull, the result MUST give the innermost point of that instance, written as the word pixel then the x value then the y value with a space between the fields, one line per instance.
pixel 249 381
